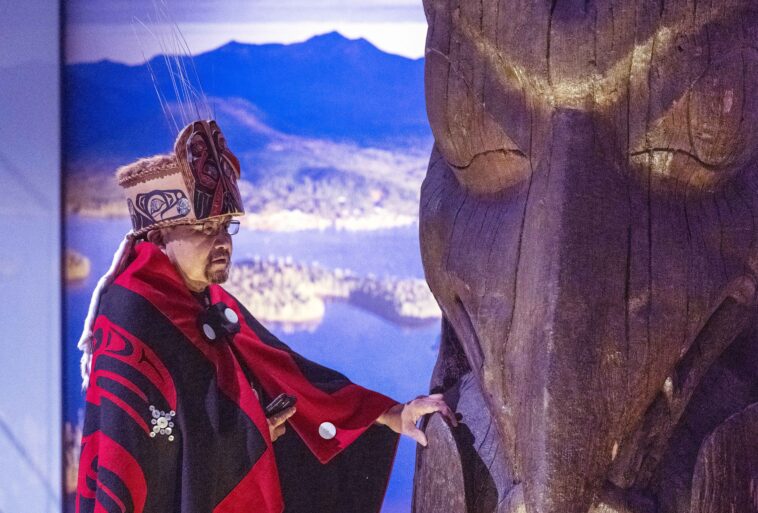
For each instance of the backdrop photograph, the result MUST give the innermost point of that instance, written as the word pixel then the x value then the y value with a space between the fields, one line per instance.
pixel 323 104
pixel 543 214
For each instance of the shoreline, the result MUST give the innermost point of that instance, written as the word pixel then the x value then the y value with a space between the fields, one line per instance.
pixel 293 295
pixel 282 221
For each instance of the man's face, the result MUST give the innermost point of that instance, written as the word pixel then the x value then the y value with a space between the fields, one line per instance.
pixel 200 252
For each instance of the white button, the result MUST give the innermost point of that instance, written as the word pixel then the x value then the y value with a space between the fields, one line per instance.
pixel 327 431
pixel 209 333
pixel 162 423
pixel 231 315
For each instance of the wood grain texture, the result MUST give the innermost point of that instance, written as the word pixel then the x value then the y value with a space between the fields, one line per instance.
pixel 726 474
pixel 588 225
pixel 439 481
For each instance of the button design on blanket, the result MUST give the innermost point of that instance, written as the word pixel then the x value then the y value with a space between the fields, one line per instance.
pixel 218 322
pixel 210 333
pixel 327 431
pixel 231 315
pixel 162 423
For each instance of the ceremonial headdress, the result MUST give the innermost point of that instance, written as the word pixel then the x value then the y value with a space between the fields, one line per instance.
pixel 195 183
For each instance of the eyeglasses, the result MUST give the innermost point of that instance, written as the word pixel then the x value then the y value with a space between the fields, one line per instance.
pixel 212 228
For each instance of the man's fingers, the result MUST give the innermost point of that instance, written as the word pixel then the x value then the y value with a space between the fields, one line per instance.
pixel 431 404
pixel 281 418
pixel 414 410
pixel 417 435
pixel 277 432
pixel 449 415
pixel 276 422
pixel 427 407
pixel 429 401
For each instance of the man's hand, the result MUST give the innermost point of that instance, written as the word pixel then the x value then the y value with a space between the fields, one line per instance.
pixel 276 422
pixel 402 418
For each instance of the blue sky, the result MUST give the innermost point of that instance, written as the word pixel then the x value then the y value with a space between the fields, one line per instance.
pixel 104 29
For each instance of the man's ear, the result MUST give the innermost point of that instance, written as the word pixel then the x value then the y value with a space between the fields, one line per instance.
pixel 156 237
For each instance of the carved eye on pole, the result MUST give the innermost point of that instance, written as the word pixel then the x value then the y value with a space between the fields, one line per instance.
pixel 717 112
pixel 480 127
pixel 707 136
pixel 491 171
pixel 474 144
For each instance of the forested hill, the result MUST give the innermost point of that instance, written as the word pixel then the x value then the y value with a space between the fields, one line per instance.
pixel 328 87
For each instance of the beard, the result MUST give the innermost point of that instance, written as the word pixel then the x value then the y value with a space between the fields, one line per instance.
pixel 218 275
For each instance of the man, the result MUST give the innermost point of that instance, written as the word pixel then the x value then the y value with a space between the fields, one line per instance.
pixel 179 372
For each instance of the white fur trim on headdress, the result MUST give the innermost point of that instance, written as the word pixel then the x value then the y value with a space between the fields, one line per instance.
pixel 85 341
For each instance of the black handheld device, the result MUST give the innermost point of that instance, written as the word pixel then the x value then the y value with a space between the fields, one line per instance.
pixel 279 404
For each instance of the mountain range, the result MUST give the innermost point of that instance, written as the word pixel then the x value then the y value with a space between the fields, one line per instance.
pixel 326 88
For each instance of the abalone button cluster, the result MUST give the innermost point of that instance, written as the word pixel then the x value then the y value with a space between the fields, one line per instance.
pixel 162 423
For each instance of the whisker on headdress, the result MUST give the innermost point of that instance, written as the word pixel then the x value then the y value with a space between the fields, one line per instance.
pixel 167 112
pixel 189 101
pixel 169 181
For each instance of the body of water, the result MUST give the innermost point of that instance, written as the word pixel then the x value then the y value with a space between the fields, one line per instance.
pixel 372 352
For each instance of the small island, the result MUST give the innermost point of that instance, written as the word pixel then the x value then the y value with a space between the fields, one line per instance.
pixel 77 266
pixel 293 295
pixel 297 184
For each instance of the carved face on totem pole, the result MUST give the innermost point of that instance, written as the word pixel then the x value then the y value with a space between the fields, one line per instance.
pixel 588 226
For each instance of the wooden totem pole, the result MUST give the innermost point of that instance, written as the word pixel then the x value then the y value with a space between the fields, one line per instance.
pixel 589 227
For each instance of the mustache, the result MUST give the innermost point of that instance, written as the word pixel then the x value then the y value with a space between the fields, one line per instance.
pixel 218 254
